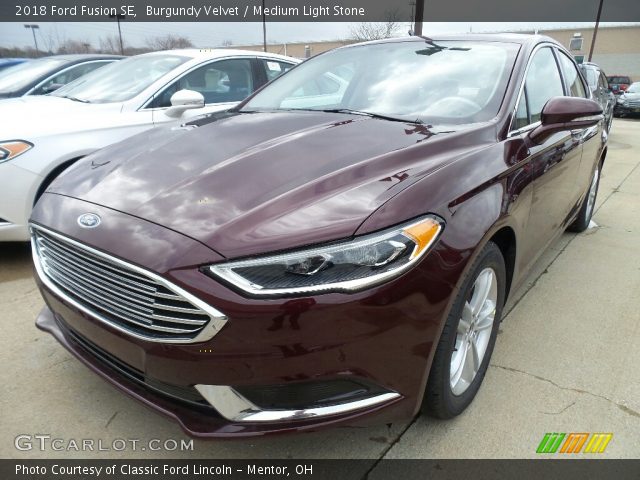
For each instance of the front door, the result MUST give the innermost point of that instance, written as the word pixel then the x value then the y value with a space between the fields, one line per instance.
pixel 554 166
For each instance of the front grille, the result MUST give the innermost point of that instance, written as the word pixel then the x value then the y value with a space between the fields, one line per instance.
pixel 123 295
pixel 634 103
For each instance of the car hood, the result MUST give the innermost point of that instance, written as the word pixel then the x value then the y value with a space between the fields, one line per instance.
pixel 42 115
pixel 251 183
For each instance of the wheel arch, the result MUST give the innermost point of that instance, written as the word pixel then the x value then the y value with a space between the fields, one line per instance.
pixel 50 177
pixel 505 239
pixel 603 155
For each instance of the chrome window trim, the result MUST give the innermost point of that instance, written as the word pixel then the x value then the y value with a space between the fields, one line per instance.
pixel 540 46
pixel 525 129
pixel 212 328
pixel 236 408
pixel 66 70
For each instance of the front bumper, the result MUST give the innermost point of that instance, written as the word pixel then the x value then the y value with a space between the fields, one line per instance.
pixel 18 189
pixel 382 338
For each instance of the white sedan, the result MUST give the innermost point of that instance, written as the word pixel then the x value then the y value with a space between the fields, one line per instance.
pixel 42 136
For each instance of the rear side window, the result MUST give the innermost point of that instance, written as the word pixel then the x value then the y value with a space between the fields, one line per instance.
pixel 603 81
pixel 274 68
pixel 572 77
pixel 543 82
pixel 591 77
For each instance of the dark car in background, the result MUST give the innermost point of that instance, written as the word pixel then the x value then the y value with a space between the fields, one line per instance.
pixel 600 89
pixel 629 102
pixel 45 75
pixel 319 255
pixel 10 62
pixel 619 83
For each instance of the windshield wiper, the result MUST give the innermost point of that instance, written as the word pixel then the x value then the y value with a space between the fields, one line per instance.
pixel 76 99
pixel 369 114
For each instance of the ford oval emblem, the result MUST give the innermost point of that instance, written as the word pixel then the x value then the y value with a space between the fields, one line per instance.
pixel 89 220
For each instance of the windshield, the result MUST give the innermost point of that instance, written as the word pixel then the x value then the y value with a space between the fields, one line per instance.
pixel 634 88
pixel 121 80
pixel 20 76
pixel 618 79
pixel 447 82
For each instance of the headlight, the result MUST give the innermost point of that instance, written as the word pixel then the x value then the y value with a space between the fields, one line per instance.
pixel 343 267
pixel 13 148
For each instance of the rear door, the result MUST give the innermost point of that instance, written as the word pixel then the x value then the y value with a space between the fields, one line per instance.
pixel 588 137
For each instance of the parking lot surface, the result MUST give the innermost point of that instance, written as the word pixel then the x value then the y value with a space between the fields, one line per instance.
pixel 566 360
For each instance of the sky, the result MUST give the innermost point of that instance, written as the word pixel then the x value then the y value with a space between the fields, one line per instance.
pixel 204 34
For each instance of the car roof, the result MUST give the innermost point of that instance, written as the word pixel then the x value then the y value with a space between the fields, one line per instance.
pixel 520 38
pixel 81 57
pixel 207 53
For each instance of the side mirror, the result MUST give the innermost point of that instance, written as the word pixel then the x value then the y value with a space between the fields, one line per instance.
pixel 184 100
pixel 565 113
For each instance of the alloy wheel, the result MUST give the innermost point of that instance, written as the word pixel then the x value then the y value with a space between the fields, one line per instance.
pixel 593 190
pixel 474 331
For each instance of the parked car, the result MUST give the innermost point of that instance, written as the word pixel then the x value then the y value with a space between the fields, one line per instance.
pixel 271 269
pixel 49 133
pixel 45 75
pixel 619 83
pixel 629 102
pixel 10 62
pixel 600 89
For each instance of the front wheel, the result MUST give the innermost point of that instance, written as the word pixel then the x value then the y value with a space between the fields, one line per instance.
pixel 467 340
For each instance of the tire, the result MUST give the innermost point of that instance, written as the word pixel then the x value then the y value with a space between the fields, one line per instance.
pixel 581 223
pixel 444 396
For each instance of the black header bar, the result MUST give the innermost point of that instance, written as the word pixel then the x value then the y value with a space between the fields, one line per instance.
pixel 317 10
pixel 582 469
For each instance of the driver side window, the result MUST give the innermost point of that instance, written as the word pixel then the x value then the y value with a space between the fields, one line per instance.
pixel 219 82
pixel 543 82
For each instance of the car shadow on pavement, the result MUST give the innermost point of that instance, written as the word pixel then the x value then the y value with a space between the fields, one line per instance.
pixel 15 261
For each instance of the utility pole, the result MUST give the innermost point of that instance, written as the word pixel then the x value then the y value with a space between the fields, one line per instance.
pixel 119 17
pixel 264 29
pixel 417 30
pixel 33 28
pixel 413 17
pixel 595 31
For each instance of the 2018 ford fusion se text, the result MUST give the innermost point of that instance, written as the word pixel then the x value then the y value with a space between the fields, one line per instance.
pixel 335 250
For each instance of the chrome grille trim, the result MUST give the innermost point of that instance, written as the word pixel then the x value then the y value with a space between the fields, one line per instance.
pixel 124 296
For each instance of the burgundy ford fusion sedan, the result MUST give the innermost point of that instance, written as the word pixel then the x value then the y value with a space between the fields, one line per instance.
pixel 337 249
